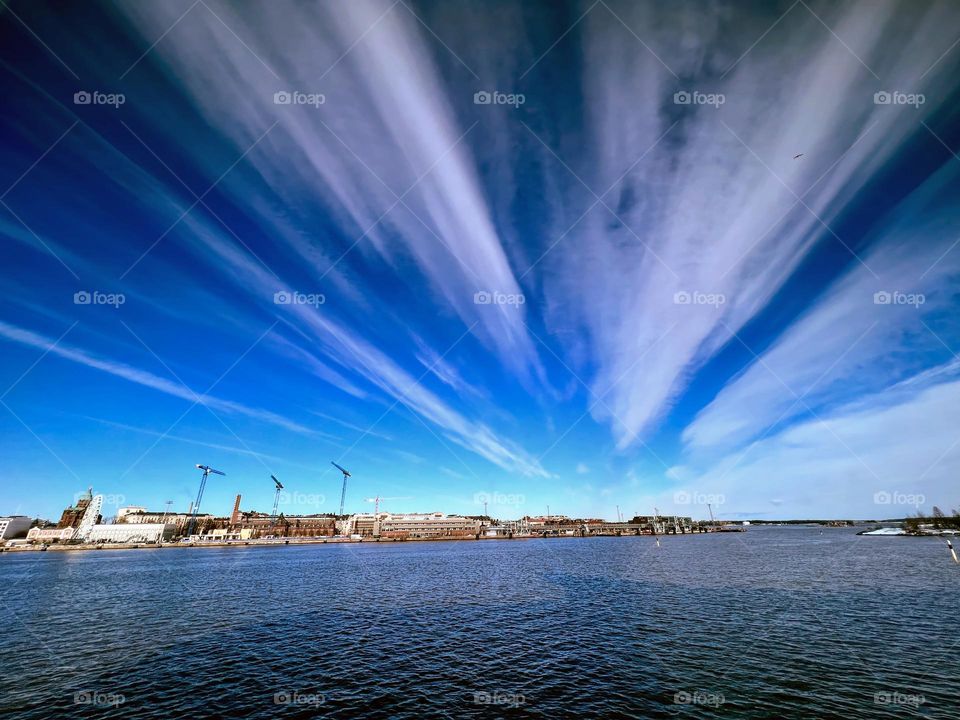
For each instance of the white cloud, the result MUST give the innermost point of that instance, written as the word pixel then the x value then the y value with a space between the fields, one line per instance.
pixel 835 466
pixel 706 211
pixel 144 378
pixel 385 131
pixel 847 344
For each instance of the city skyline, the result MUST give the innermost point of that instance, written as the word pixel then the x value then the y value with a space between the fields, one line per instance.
pixel 554 258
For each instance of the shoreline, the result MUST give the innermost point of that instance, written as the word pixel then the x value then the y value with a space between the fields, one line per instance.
pixel 289 542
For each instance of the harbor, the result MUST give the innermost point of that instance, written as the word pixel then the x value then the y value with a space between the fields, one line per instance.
pixel 82 526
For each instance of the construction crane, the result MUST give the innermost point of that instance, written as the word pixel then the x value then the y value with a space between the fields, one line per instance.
pixel 207 470
pixel 376 501
pixel 343 492
pixel 712 521
pixel 276 498
pixel 376 510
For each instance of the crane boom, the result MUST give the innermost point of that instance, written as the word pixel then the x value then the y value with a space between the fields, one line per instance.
pixel 343 491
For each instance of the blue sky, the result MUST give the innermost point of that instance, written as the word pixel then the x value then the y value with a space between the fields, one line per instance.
pixel 684 254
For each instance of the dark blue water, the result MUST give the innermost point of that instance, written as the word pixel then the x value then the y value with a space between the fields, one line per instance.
pixel 776 622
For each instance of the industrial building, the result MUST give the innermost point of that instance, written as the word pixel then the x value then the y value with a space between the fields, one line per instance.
pixel 413 525
pixel 245 524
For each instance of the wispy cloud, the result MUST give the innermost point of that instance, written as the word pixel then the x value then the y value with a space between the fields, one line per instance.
pixel 201 443
pixel 144 378
pixel 874 459
pixel 422 200
pixel 717 204
pixel 867 332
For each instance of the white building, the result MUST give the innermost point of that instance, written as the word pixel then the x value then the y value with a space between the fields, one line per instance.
pixel 14 526
pixel 131 533
pixel 51 534
pixel 412 525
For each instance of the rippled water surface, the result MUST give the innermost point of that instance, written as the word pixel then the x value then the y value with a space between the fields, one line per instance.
pixel 775 622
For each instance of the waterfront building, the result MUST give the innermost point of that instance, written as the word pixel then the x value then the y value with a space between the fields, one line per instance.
pixel 413 525
pixel 14 526
pixel 73 515
pixel 542 522
pixel 50 534
pixel 664 524
pixel 139 515
pixel 131 532
pixel 266 525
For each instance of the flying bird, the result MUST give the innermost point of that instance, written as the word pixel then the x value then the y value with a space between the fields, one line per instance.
pixel 953 553
pixel 796 156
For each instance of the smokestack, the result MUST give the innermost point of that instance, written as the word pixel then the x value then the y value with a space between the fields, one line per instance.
pixel 235 517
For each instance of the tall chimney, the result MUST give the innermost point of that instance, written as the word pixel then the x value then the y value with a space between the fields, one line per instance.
pixel 235 517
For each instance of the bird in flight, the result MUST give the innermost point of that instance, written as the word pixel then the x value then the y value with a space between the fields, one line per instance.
pixel 796 156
